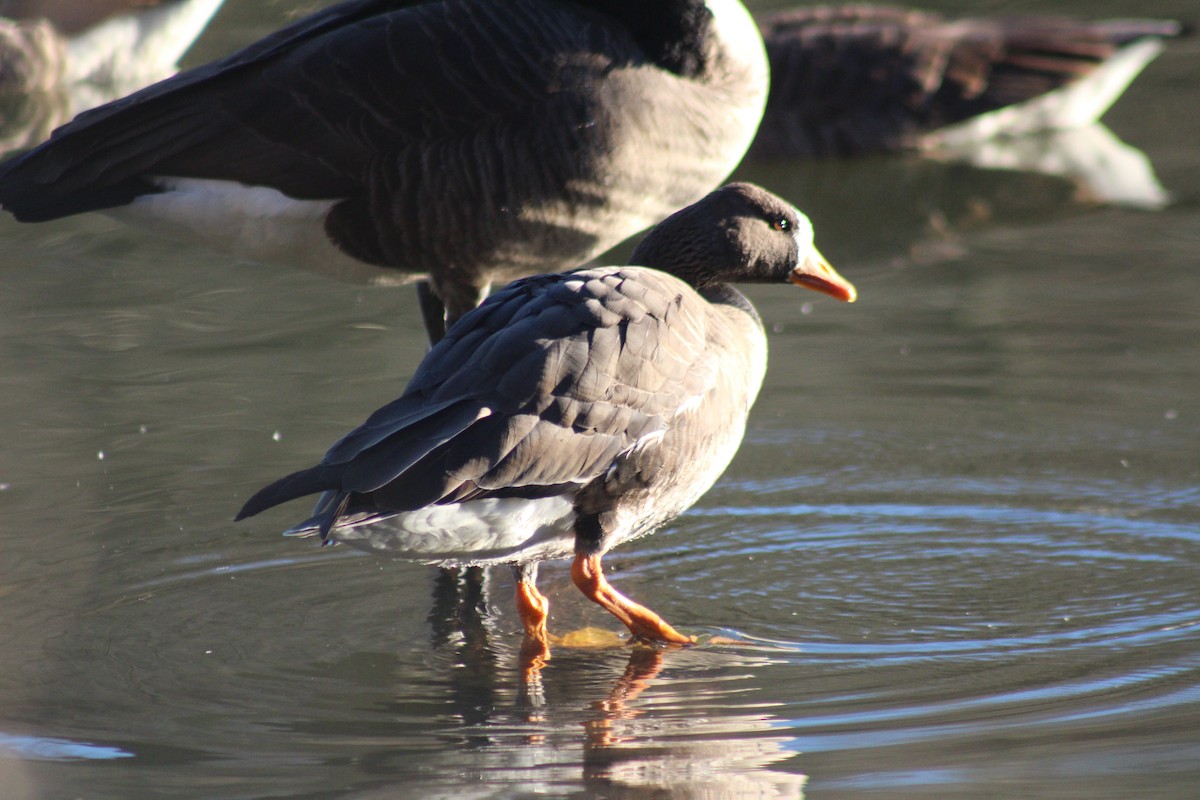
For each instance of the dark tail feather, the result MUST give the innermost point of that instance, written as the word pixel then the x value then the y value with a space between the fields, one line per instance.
pixel 327 517
pixel 38 204
pixel 320 478
pixel 330 506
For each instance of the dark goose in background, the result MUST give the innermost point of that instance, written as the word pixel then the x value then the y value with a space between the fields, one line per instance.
pixel 572 412
pixel 472 141
pixel 847 80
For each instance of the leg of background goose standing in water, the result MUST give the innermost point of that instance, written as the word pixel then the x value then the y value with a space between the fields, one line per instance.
pixel 433 312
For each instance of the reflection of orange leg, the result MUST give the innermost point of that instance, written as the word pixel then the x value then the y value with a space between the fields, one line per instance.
pixel 644 665
pixel 641 621
pixel 534 609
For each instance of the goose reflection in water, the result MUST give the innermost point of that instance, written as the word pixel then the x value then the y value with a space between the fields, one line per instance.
pixel 614 718
pixel 620 716
pixel 627 745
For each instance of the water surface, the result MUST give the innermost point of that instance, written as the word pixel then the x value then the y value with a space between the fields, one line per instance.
pixel 957 555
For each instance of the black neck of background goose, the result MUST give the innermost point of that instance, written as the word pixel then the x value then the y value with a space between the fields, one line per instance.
pixel 673 33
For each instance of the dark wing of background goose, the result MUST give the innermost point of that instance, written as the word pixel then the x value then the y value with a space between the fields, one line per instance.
pixel 855 79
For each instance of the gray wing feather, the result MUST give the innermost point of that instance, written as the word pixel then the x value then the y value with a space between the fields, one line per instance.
pixel 579 373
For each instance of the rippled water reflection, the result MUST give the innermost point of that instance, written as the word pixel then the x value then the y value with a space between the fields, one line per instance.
pixel 957 555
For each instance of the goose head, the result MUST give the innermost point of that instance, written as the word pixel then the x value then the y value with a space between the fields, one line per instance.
pixel 741 233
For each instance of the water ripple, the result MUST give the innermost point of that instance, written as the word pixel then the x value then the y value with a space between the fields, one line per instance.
pixel 47 748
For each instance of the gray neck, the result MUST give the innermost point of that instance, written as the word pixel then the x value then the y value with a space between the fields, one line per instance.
pixel 723 294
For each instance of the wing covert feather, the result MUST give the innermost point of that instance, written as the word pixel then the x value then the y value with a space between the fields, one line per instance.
pixel 570 395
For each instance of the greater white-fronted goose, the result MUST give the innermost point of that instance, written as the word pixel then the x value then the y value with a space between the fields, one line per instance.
pixel 572 412
pixel 472 141
pixel 855 79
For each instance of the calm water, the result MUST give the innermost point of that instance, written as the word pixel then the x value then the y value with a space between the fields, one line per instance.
pixel 958 554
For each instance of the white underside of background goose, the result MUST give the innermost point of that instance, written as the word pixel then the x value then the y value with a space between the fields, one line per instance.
pixel 572 412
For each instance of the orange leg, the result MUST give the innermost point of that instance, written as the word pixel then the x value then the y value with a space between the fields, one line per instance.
pixel 641 621
pixel 534 609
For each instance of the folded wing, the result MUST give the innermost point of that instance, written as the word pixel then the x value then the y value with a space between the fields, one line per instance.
pixel 555 382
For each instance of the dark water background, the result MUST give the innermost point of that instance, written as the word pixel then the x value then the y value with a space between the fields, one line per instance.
pixel 959 550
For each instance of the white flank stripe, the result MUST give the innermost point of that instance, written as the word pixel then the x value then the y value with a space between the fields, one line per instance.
pixel 253 222
pixel 491 531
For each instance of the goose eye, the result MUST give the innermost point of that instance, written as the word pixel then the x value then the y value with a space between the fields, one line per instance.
pixel 782 224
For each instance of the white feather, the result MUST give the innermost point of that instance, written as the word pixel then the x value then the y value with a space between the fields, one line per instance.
pixel 253 222
pixel 1076 104
pixel 1106 169
pixel 132 50
pixel 490 531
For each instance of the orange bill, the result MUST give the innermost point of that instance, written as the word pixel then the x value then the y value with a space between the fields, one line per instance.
pixel 815 273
